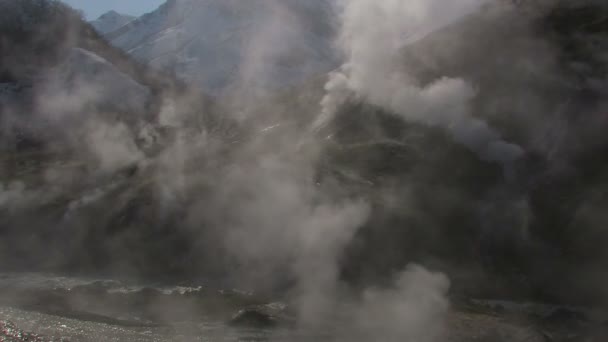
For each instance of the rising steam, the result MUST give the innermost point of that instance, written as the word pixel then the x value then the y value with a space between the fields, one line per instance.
pixel 372 37
pixel 250 200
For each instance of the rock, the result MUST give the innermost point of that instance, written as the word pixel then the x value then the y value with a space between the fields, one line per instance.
pixel 253 318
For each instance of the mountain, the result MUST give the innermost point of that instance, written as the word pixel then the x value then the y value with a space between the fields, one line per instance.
pixel 109 165
pixel 72 102
pixel 55 67
pixel 111 21
pixel 114 90
pixel 219 43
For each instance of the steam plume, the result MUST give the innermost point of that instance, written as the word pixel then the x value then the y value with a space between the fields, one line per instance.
pixel 372 36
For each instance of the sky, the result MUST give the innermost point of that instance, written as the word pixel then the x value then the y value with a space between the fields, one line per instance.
pixel 94 8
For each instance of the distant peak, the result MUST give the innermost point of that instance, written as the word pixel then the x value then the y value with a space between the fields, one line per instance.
pixel 111 21
pixel 113 14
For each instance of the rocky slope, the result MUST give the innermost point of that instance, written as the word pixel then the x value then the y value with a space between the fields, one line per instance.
pixel 218 44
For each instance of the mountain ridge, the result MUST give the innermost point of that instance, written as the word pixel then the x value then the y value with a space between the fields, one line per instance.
pixel 220 43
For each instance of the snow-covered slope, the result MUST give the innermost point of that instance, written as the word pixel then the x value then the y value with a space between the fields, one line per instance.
pixel 111 21
pixel 220 43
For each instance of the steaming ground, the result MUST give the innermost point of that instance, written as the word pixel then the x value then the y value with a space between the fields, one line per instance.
pixel 43 307
pixel 458 152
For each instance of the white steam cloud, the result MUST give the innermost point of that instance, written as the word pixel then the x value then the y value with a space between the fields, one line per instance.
pixel 413 310
pixel 372 36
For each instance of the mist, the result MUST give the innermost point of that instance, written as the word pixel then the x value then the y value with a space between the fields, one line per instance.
pixel 368 187
pixel 374 71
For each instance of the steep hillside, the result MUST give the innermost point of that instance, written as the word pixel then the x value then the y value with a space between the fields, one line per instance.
pixel 218 44
pixel 55 65
pixel 77 117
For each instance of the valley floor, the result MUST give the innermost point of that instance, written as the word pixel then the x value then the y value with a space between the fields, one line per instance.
pixel 464 327
pixel 44 308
